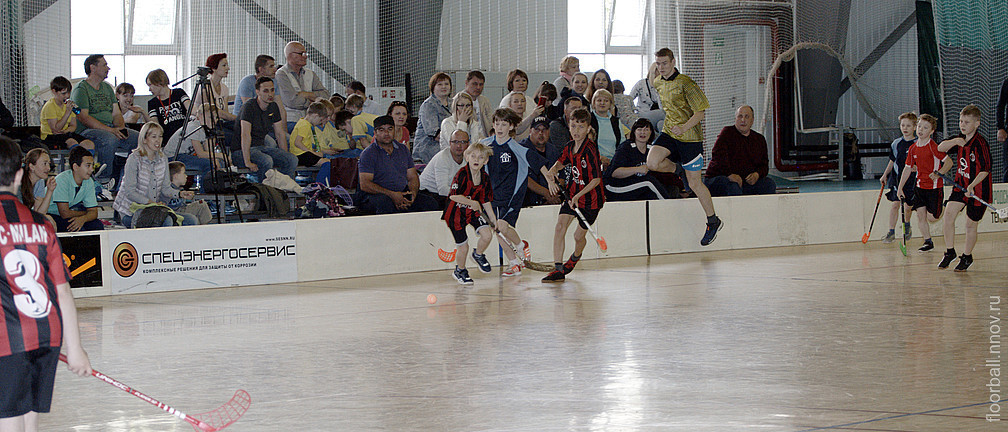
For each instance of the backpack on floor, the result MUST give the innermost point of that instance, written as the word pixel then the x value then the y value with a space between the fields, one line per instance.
pixel 324 202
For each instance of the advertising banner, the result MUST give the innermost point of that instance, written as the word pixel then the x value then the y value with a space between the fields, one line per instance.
pixel 82 256
pixel 193 257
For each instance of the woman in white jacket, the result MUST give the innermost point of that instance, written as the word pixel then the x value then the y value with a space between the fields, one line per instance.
pixel 462 118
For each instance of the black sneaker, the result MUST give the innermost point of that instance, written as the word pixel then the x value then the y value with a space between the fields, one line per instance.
pixel 481 261
pixel 950 255
pixel 569 266
pixel 907 232
pixel 462 276
pixel 964 262
pixel 554 276
pixel 712 230
pixel 928 245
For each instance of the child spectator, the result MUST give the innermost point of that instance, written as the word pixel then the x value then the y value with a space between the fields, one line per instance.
pixel 74 205
pixel 974 176
pixel 58 121
pixel 363 123
pixel 131 113
pixel 338 102
pixel 893 172
pixel 471 190
pixel 199 209
pixel 583 182
pixel 337 136
pixel 924 159
pixel 304 139
pixel 36 185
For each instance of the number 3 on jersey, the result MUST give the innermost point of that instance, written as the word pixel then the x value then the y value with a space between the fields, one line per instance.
pixel 33 301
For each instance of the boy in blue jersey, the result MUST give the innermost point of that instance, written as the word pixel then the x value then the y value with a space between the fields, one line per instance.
pixel 509 173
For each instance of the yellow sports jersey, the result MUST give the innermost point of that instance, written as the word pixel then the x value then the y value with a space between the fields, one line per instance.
pixel 308 134
pixel 333 138
pixel 681 98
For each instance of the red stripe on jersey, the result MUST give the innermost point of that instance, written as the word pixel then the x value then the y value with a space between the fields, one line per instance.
pixel 580 168
pixel 973 159
pixel 456 215
pixel 927 159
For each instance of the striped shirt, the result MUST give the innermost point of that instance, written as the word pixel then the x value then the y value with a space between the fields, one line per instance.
pixel 681 98
pixel 456 215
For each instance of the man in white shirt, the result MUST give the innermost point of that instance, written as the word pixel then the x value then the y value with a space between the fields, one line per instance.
pixel 296 85
pixel 436 178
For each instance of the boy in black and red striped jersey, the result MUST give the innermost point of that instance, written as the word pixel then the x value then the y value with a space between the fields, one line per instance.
pixel 36 303
pixel 974 176
pixel 470 190
pixel 582 169
pixel 924 158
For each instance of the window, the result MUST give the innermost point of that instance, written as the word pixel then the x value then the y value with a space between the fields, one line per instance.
pixel 611 35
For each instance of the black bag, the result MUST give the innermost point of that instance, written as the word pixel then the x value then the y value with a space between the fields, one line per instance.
pixel 223 182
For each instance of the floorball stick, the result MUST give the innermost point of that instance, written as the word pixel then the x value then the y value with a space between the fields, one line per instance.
pixel 864 238
pixel 1001 213
pixel 902 245
pixel 215 420
pixel 591 230
pixel 546 268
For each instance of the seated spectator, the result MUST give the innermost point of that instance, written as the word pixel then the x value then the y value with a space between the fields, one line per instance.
pixel 99 119
pixel 569 66
pixel 648 101
pixel 516 102
pixel 336 136
pixel 388 180
pixel 264 66
pixel 432 112
pixel 518 81
pixel 481 105
pixel 462 118
pixel 559 132
pixel 146 179
pixel 400 113
pixel 182 205
pixel 168 107
pixel 363 123
pixel 436 178
pixel 74 205
pixel 739 162
pixel 623 105
pixel 599 80
pixel 370 106
pixel 545 96
pixel 215 112
pixel 304 140
pixel 37 187
pixel 539 140
pixel 297 85
pixel 628 177
pixel 607 125
pixel 132 114
pixel 579 85
pixel 338 102
pixel 58 121
pixel 258 151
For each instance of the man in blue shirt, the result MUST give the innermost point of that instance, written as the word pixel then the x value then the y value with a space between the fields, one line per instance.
pixel 388 180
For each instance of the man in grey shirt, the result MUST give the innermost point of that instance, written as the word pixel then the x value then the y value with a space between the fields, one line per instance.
pixel 297 86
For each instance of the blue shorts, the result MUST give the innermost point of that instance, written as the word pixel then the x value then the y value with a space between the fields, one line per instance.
pixel 687 154
pixel 508 214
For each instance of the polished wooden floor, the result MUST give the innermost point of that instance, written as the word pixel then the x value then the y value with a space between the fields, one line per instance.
pixel 834 337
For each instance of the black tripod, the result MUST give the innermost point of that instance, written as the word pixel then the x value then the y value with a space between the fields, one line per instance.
pixel 214 138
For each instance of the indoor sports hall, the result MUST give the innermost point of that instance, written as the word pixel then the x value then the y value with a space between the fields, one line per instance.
pixel 811 309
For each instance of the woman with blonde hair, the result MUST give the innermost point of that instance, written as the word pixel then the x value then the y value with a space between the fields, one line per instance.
pixel 516 102
pixel 463 117
pixel 147 179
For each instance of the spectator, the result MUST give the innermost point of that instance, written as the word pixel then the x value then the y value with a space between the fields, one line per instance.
pixel 388 180
pixel 399 113
pixel 297 86
pixel 74 205
pixel 648 101
pixel 264 66
pixel 569 66
pixel 37 187
pixel 599 80
pixel 147 180
pixel 559 132
pixel 739 161
pixel 433 111
pixel 607 125
pixel 132 114
pixel 539 140
pixel 99 119
pixel 363 123
pixel 436 178
pixel 628 177
pixel 168 107
pixel 259 152
pixel 623 105
pixel 304 140
pixel 199 209
pixel 370 106
pixel 518 81
pixel 547 96
pixel 219 67
pixel 516 103
pixel 462 118
pixel 338 101
pixel 58 121
pixel 336 136
pixel 481 105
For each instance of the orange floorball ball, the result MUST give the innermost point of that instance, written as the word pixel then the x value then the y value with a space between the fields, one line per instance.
pixel 431 298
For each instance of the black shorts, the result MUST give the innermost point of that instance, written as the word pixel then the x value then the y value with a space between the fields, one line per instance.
pixel 26 381
pixel 930 199
pixel 687 154
pixel 908 188
pixel 308 159
pixel 460 236
pixel 975 211
pixel 589 214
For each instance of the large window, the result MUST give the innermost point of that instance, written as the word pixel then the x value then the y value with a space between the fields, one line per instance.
pixel 611 35
pixel 135 36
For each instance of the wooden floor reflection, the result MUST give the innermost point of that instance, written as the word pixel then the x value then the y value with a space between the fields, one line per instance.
pixel 835 337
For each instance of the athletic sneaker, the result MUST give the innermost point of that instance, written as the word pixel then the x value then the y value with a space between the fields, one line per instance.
pixel 964 262
pixel 481 261
pixel 907 231
pixel 712 230
pixel 514 270
pixel 569 265
pixel 950 255
pixel 554 276
pixel 528 253
pixel 462 276
pixel 889 238
pixel 928 245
